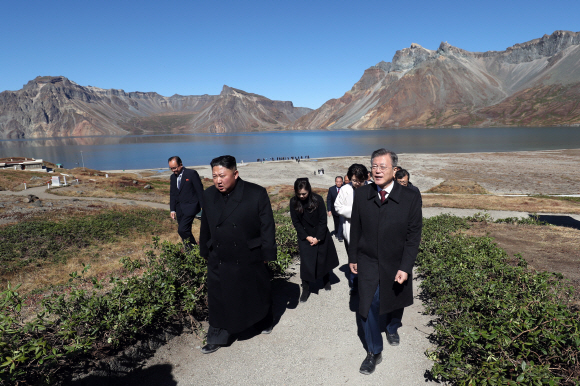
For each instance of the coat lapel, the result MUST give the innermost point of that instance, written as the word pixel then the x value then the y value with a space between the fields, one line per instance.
pixel 394 195
pixel 233 201
pixel 373 194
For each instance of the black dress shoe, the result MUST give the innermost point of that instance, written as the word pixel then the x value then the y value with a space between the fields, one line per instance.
pixel 370 362
pixel 327 286
pixel 209 348
pixel 268 330
pixel 305 292
pixel 393 339
pixel 352 291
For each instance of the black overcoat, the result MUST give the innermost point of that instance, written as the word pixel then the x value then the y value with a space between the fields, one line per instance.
pixel 237 237
pixel 315 261
pixel 384 238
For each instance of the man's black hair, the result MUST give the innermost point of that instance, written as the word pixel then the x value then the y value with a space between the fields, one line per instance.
pixel 381 152
pixel 401 174
pixel 176 159
pixel 227 161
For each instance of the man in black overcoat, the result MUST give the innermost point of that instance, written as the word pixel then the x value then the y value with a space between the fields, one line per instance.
pixel 385 233
pixel 237 239
pixel 330 198
pixel 185 198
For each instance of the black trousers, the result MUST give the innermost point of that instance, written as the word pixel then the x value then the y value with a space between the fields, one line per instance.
pixel 184 228
pixel 337 226
pixel 222 337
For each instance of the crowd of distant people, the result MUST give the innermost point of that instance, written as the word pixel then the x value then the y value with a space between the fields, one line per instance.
pixel 293 158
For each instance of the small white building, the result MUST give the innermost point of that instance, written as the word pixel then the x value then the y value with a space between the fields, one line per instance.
pixel 22 163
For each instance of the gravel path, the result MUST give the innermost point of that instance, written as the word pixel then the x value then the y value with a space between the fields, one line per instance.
pixel 313 343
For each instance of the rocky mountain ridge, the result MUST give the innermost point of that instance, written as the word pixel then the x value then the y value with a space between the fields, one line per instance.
pixel 532 83
pixel 54 106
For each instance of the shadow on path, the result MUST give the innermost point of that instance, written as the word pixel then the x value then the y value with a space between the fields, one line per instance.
pixel 563 221
pixel 158 375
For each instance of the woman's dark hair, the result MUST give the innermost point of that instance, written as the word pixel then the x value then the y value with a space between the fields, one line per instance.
pixel 401 174
pixel 310 203
pixel 359 171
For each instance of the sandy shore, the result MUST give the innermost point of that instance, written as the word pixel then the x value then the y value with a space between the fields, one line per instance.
pixel 526 172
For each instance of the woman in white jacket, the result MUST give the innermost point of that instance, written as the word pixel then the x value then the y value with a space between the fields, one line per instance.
pixel 357 175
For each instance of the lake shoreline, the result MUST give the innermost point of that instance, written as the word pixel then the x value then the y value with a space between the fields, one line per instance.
pixel 519 172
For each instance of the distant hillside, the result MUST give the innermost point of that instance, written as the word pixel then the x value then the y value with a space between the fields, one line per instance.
pixel 54 106
pixel 536 83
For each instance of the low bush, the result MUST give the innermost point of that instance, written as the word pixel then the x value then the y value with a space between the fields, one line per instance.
pixel 92 316
pixel 286 240
pixel 169 286
pixel 496 324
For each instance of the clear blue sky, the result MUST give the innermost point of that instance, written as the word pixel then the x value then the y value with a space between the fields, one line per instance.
pixel 303 51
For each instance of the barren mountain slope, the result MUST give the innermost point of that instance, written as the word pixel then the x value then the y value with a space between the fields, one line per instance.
pixel 57 107
pixel 451 87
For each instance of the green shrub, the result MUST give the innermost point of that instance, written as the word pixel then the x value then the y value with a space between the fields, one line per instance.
pixel 495 324
pixel 172 285
pixel 286 240
pixel 163 287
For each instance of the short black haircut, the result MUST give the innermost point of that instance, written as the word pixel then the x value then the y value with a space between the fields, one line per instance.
pixel 401 174
pixel 381 152
pixel 176 159
pixel 359 171
pixel 227 161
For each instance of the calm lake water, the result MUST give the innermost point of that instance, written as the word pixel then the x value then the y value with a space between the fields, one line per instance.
pixel 152 151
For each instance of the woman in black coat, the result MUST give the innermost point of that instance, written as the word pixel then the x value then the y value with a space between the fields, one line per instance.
pixel 317 252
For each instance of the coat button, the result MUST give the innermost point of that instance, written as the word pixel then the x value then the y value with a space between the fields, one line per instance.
pixel 235 245
pixel 217 227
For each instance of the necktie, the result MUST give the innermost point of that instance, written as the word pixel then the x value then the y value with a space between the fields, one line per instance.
pixel 337 190
pixel 383 194
pixel 179 181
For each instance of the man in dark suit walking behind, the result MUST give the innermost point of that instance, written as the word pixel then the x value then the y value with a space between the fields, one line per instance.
pixel 330 198
pixel 238 238
pixel 185 199
pixel 385 233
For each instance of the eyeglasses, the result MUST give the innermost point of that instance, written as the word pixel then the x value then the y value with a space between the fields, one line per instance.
pixel 382 168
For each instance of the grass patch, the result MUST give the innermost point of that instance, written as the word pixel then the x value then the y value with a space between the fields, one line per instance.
pixel 28 242
pixel 533 204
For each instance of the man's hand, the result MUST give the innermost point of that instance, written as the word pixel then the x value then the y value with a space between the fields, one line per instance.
pixel 173 215
pixel 401 276
pixel 329 213
pixel 353 268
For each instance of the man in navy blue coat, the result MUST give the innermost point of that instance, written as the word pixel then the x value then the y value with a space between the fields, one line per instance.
pixel 330 198
pixel 185 198
pixel 384 241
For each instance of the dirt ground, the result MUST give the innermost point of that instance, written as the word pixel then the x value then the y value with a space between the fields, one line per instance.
pixel 545 248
